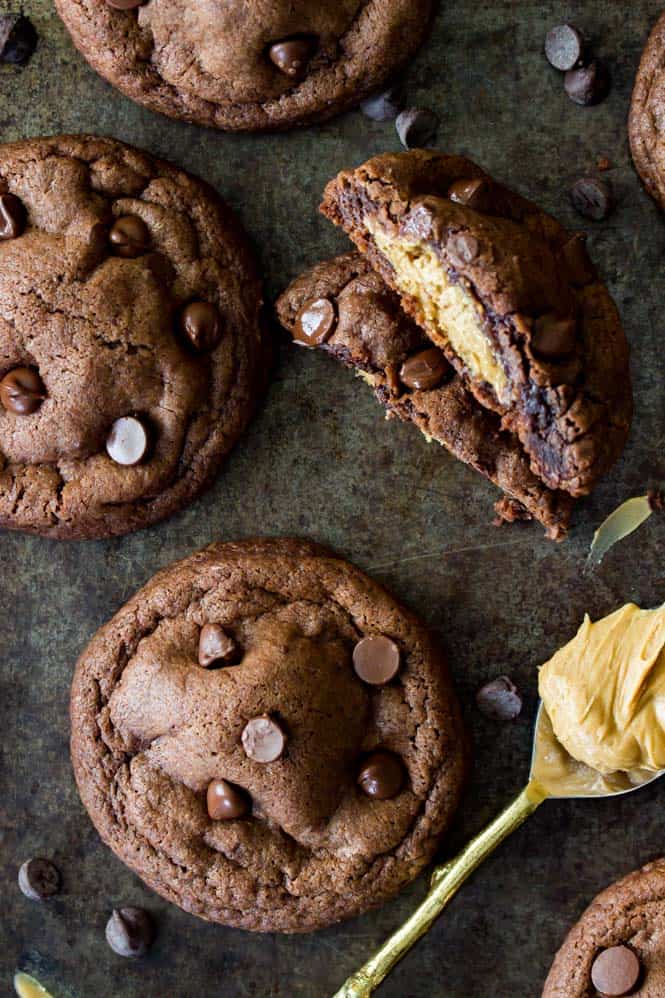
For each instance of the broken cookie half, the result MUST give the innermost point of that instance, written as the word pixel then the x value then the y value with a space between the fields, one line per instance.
pixel 344 307
pixel 508 295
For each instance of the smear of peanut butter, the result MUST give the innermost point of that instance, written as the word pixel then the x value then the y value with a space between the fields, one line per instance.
pixel 621 523
pixel 27 987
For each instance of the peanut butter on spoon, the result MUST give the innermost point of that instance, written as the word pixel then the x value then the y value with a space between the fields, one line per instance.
pixel 602 726
pixel 600 731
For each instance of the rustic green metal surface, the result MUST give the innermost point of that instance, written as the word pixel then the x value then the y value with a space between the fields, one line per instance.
pixel 319 461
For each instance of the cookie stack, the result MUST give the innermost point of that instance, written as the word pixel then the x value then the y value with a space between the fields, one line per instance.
pixel 475 315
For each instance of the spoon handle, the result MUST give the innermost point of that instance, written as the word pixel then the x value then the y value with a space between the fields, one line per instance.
pixel 446 881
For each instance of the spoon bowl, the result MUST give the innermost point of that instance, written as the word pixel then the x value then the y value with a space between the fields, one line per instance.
pixel 563 777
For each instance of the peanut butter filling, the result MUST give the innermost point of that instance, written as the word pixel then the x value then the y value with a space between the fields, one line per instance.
pixel 604 694
pixel 451 314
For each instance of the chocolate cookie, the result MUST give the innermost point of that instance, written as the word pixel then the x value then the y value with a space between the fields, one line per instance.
pixel 618 945
pixel 303 775
pixel 345 308
pixel 238 65
pixel 131 351
pixel 508 294
pixel 646 124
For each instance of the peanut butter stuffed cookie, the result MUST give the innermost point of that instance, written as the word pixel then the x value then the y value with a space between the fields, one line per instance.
pixel 131 351
pixel 508 294
pixel 236 65
pixel 345 308
pixel 267 738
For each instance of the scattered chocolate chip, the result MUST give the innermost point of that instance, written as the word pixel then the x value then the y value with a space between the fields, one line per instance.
pixel 499 700
pixel 125 4
pixel 292 55
pixel 202 325
pixel 215 645
pixel 127 442
pixel 130 932
pixel 462 248
pixel 22 391
pixel 425 370
pixel 376 659
pixel 39 879
pixel 315 322
pixel 129 236
pixel 656 500
pixel 263 739
pixel 417 127
pixel 564 47
pixel 471 193
pixel 592 198
pixel 588 85
pixel 18 38
pixel 579 267
pixel 225 801
pixel 386 105
pixel 554 336
pixel 381 775
pixel 12 217
pixel 615 971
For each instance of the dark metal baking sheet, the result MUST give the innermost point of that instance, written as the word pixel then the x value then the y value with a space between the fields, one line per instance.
pixel 319 461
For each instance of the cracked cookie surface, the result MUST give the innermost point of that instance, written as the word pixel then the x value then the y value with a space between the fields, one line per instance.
pixel 630 913
pixel 508 294
pixel 152 728
pixel 372 334
pixel 646 124
pixel 238 65
pixel 119 268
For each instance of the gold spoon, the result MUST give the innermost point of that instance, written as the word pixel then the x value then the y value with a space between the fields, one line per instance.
pixel 553 774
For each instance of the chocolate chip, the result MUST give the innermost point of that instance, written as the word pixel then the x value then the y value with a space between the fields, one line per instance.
pixel 564 47
pixel 226 801
pixel 578 266
pixel 130 932
pixel 22 391
pixel 292 55
pixel 592 198
pixel 129 236
pixel 615 971
pixel 376 659
pixel 127 442
pixel 39 879
pixel 499 700
pixel 202 325
pixel 12 217
pixel 386 105
pixel 18 39
pixel 125 4
pixel 656 500
pixel 589 84
pixel 425 370
pixel 462 248
pixel 315 322
pixel 215 645
pixel 263 739
pixel 473 193
pixel 417 127
pixel 381 775
pixel 554 336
